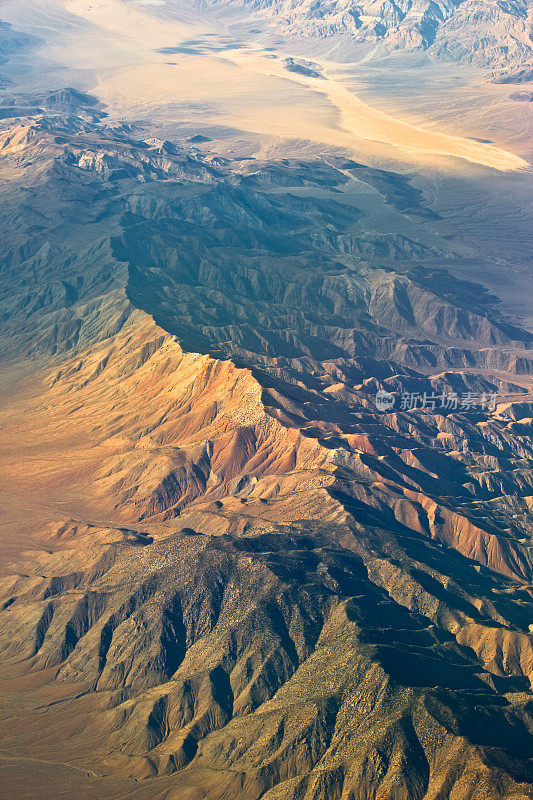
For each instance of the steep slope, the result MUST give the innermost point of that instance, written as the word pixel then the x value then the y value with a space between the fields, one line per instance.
pixel 227 572
pixel 317 685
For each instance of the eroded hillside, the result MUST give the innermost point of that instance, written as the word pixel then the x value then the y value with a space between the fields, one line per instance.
pixel 235 575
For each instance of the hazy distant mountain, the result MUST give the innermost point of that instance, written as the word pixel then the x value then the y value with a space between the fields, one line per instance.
pixel 491 33
pixel 10 41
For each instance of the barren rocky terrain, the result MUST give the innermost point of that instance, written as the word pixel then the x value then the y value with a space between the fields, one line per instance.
pixel 489 33
pixel 226 570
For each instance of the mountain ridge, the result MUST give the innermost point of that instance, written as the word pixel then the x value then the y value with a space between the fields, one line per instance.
pixel 494 35
pixel 227 570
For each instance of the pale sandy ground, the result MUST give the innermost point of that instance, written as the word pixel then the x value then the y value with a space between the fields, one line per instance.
pixel 362 121
pixel 246 88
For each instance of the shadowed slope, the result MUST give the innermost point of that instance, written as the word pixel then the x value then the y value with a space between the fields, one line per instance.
pixel 227 572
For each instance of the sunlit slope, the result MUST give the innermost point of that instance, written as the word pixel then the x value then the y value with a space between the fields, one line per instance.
pixel 226 572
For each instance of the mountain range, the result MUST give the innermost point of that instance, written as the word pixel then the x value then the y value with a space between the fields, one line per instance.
pixel 491 34
pixel 266 428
